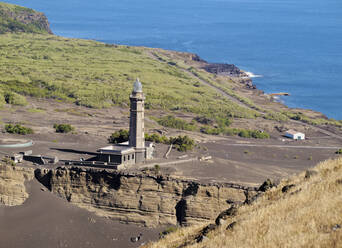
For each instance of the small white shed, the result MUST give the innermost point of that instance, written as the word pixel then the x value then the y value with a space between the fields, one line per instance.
pixel 292 134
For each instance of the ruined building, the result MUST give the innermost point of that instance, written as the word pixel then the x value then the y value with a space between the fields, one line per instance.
pixel 136 150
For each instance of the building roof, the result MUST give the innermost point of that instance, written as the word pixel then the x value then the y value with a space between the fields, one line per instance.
pixel 137 86
pixel 293 132
pixel 116 149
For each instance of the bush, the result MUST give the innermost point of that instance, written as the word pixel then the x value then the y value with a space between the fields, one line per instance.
pixel 204 120
pixel 18 129
pixel 276 116
pixel 156 138
pixel 156 168
pixel 63 128
pixel 244 133
pixel 182 143
pixel 224 122
pixel 339 151
pixel 210 130
pixel 260 134
pixel 119 136
pixel 15 99
pixel 173 122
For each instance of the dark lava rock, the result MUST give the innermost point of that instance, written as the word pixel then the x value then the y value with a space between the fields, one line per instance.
pixel 204 232
pixel 227 213
pixel 224 69
pixel 287 187
pixel 268 184
pixel 251 196
pixel 231 225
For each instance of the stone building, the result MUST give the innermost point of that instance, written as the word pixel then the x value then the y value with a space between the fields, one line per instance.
pixel 136 150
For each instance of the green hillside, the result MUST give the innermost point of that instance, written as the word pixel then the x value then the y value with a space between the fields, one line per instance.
pixel 95 74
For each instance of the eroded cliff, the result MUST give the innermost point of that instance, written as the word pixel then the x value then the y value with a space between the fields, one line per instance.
pixel 14 18
pixel 12 184
pixel 143 199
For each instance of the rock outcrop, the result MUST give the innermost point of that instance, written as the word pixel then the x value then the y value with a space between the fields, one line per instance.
pixel 14 18
pixel 143 199
pixel 224 69
pixel 12 184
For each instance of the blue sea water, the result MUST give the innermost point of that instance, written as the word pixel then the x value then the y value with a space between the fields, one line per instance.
pixel 295 45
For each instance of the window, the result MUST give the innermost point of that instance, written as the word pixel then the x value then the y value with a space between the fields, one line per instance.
pixel 128 157
pixel 124 158
pixel 132 156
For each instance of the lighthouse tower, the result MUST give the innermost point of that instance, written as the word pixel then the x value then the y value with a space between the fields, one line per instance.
pixel 136 125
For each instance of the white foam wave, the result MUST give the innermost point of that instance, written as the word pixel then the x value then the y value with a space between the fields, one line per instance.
pixel 252 75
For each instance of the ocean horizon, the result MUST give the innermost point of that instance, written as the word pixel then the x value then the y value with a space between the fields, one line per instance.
pixel 289 46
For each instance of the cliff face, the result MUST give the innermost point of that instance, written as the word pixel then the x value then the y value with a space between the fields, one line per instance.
pixel 15 18
pixel 139 198
pixel 12 188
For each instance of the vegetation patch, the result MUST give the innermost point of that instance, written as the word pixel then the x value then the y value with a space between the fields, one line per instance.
pixel 182 143
pixel 63 128
pixel 99 75
pixel 18 129
pixel 256 134
pixel 156 138
pixel 15 99
pixel 313 121
pixel 339 151
pixel 119 136
pixel 173 122
pixel 244 133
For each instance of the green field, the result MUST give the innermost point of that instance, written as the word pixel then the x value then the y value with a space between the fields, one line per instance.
pixel 97 75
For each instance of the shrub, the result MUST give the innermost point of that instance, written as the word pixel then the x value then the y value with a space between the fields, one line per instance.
pixel 244 133
pixel 119 136
pixel 15 99
pixel 18 129
pixel 339 151
pixel 173 122
pixel 182 143
pixel 156 168
pixel 156 138
pixel 224 122
pixel 260 134
pixel 204 120
pixel 63 128
pixel 276 116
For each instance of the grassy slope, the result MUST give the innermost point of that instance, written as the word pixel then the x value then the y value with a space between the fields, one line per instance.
pixel 305 216
pixel 10 16
pixel 95 74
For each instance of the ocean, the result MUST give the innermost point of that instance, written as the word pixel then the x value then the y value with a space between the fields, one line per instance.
pixel 294 46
